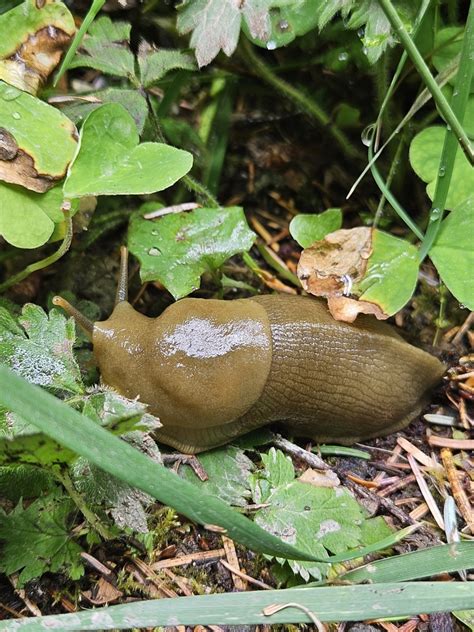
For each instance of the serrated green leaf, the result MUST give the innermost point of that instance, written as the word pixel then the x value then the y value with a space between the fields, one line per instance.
pixel 391 275
pixel 25 481
pixel 28 219
pixel 452 252
pixel 215 26
pixel 35 540
pixel 30 128
pixel 155 64
pixel 132 100
pixel 123 166
pixel 308 228
pixel 177 248
pixel 425 153
pixel 228 469
pixel 285 22
pixel 315 519
pixel 106 48
pixel 42 352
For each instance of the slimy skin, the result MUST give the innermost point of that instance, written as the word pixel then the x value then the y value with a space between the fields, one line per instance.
pixel 213 370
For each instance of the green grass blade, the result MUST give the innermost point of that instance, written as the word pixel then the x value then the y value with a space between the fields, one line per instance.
pixel 459 101
pixel 347 603
pixel 76 42
pixel 425 563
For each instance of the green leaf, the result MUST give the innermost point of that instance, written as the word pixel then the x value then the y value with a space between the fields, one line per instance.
pixel 177 248
pixel 106 48
pixel 77 432
pixel 155 64
pixel 132 100
pixel 28 219
pixel 391 274
pixel 30 128
pixel 315 519
pixel 425 153
pixel 24 481
pixel 452 252
pixel 308 228
pixel 35 540
pixel 285 23
pixel 228 469
pixel 127 505
pixel 122 166
pixel 42 351
pixel 33 36
pixel 215 26
pixel 447 46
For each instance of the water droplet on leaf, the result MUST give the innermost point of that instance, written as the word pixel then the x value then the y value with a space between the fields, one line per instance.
pixel 154 252
pixel 271 45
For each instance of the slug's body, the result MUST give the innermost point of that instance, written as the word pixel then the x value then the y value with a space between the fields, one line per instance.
pixel 213 370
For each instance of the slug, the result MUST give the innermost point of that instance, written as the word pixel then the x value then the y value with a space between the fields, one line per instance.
pixel 212 370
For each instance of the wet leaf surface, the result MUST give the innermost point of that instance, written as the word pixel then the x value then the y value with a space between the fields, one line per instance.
pixel 123 166
pixel 425 153
pixel 28 129
pixel 177 248
pixel 453 254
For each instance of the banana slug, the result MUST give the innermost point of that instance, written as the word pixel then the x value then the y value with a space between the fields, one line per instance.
pixel 212 370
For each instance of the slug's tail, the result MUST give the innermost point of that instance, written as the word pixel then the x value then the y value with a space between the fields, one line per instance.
pixel 86 324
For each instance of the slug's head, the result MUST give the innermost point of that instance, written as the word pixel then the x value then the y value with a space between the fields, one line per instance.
pixel 119 340
pixel 121 296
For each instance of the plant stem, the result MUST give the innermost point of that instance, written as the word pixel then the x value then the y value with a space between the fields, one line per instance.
pixel 420 64
pixel 309 105
pixel 459 101
pixel 390 176
pixel 189 181
pixel 43 263
pixel 440 324
pixel 80 503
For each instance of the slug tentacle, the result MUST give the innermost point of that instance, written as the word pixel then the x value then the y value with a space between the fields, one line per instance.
pixel 122 286
pixel 81 320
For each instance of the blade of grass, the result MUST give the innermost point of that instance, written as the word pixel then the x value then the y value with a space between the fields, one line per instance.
pixel 76 42
pixel 347 603
pixel 462 87
pixel 446 558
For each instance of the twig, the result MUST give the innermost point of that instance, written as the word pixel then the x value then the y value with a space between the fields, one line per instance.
pixel 458 492
pixel 300 453
pixel 242 575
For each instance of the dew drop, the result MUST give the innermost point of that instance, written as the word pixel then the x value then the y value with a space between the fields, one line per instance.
pixel 343 56
pixel 16 115
pixel 367 135
pixel 283 25
pixel 442 171
pixel 154 252
pixel 11 93
pixel 271 45
pixel 434 215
